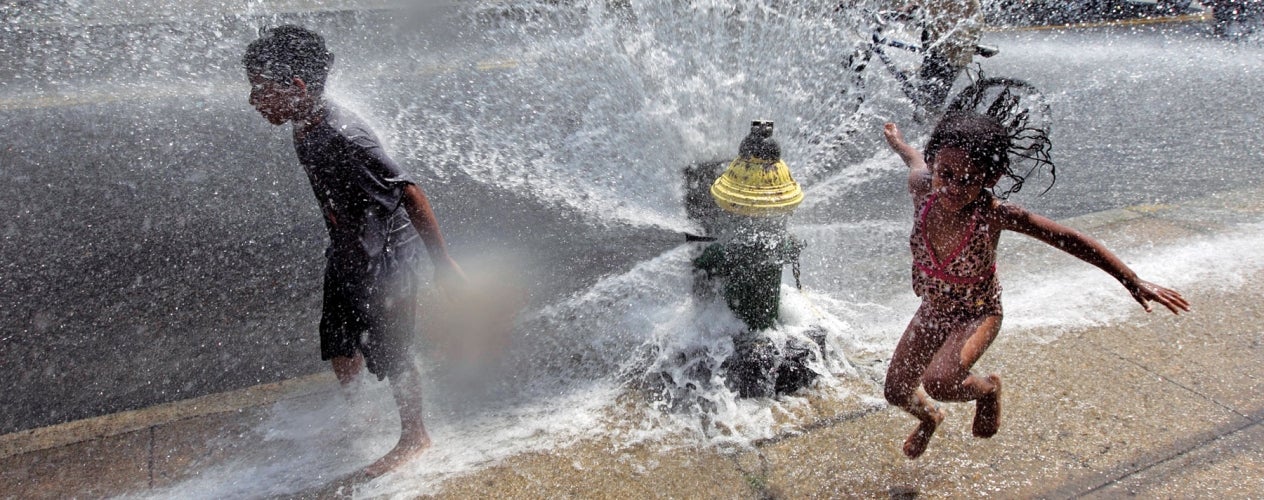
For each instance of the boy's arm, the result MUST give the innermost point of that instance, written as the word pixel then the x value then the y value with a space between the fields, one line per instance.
pixel 919 174
pixel 423 219
pixel 1091 251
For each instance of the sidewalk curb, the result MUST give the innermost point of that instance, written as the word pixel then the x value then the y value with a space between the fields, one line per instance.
pixel 55 436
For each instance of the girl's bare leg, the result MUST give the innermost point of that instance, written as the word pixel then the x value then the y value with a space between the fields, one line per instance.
pixel 949 378
pixel 987 410
pixel 930 416
pixel 914 352
pixel 413 438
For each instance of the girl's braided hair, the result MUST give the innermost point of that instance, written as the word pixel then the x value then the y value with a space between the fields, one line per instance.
pixel 1002 125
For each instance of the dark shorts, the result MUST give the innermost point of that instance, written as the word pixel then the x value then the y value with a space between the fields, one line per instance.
pixel 374 314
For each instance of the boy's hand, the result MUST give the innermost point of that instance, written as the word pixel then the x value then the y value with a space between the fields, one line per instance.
pixel 450 277
pixel 1144 292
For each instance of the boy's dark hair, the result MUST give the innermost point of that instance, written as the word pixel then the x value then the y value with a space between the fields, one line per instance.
pixel 289 51
pixel 990 145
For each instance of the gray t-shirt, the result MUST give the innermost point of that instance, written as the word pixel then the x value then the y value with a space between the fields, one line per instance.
pixel 360 191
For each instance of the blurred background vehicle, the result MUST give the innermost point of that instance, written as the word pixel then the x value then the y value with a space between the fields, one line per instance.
pixel 1229 15
pixel 1037 12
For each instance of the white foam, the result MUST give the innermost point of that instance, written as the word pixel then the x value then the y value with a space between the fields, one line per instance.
pixel 1082 295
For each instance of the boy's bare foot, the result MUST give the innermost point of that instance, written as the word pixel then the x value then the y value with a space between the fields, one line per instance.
pixel 405 450
pixel 916 443
pixel 987 411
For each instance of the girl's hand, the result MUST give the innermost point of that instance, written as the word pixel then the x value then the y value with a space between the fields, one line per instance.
pixel 1144 292
pixel 895 139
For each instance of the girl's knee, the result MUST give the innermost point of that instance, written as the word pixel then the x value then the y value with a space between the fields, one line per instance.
pixel 898 394
pixel 943 387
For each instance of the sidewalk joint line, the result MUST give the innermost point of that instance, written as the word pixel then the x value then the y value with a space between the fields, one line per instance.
pixel 1174 382
pixel 1180 452
pixel 819 424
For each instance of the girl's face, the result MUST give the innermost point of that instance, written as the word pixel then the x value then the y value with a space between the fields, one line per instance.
pixel 956 179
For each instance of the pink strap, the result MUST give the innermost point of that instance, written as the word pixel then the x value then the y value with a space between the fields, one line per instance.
pixel 956 280
pixel 939 270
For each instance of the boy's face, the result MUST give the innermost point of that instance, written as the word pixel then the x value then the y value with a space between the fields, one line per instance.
pixel 277 102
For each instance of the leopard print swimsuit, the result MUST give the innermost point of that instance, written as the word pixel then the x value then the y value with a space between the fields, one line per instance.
pixel 965 280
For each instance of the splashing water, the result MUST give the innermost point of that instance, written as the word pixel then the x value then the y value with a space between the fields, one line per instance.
pixel 589 109
pixel 603 112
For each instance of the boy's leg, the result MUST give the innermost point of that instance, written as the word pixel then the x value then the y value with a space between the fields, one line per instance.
pixel 914 352
pixel 413 438
pixel 341 321
pixel 949 378
pixel 390 347
pixel 347 367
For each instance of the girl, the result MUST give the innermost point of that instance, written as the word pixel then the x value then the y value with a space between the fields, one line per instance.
pixel 958 223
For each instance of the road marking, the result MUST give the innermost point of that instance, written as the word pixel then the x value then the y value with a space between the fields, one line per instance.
pixel 44 101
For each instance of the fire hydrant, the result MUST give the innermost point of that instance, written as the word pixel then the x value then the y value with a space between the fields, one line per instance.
pixel 756 195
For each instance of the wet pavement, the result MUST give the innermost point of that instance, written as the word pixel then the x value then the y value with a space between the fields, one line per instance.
pixel 151 258
pixel 1177 420
pixel 1152 406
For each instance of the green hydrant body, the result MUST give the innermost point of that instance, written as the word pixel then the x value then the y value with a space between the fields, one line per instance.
pixel 753 274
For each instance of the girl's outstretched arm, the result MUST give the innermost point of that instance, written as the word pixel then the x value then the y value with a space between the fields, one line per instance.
pixel 1092 251
pixel 919 175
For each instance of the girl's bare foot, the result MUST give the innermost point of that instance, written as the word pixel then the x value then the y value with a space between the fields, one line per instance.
pixel 405 450
pixel 916 443
pixel 987 411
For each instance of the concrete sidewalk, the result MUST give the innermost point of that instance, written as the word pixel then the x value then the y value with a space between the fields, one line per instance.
pixel 1155 406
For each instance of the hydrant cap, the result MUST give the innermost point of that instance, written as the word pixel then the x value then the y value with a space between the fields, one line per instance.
pixel 757 187
pixel 757 183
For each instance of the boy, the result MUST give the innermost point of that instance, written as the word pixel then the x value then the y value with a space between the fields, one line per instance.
pixel 375 214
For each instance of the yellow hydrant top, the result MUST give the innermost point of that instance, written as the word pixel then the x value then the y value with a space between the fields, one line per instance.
pixel 757 183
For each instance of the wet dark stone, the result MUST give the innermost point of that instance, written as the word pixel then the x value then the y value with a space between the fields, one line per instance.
pixel 793 373
pixel 752 369
pixel 758 368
